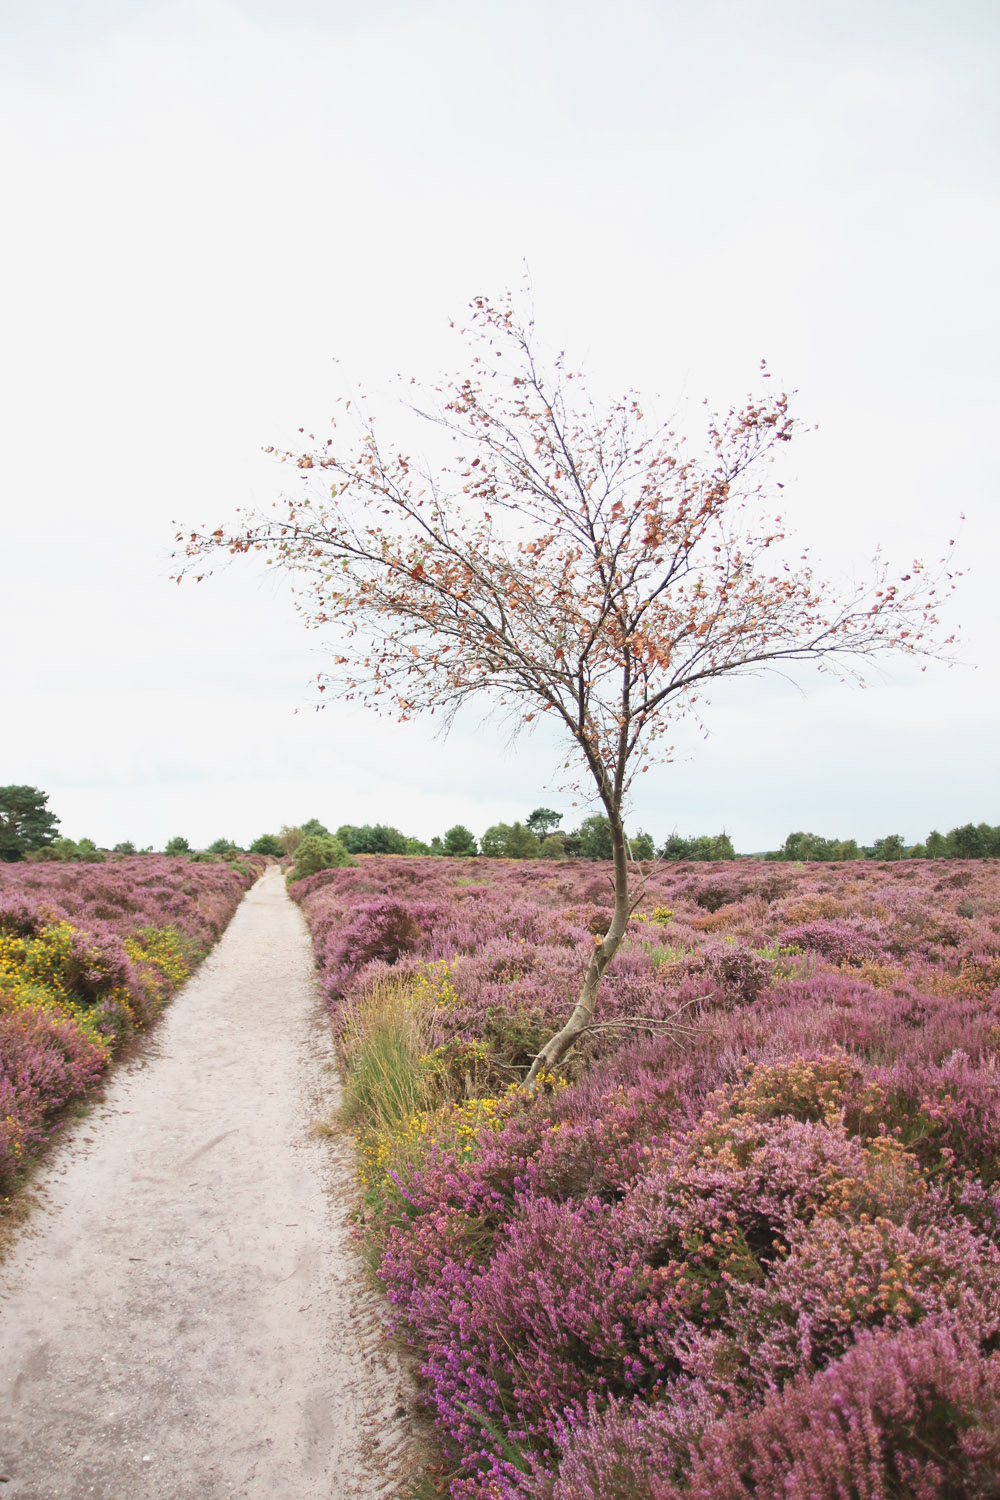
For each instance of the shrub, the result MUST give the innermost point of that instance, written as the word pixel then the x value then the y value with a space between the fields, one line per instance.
pixel 319 851
pixel 911 1416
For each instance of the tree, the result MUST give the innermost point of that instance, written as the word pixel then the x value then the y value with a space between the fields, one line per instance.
pixel 543 821
pixel 641 846
pixel 25 821
pixel 966 842
pixel 267 844
pixel 937 845
pixel 319 851
pixel 314 826
pixel 891 847
pixel 125 847
pixel 458 842
pixel 509 841
pixel 367 839
pixel 596 840
pixel 178 845
pixel 563 561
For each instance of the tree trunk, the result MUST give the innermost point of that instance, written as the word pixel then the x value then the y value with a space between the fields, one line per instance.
pixel 557 1046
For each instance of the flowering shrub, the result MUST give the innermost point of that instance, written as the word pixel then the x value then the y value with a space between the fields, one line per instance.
pixel 760 1211
pixel 88 955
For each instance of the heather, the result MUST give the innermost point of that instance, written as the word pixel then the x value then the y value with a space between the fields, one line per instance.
pixel 758 1207
pixel 89 955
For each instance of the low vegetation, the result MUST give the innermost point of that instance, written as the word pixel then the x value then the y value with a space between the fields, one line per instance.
pixel 89 955
pixel 746 1241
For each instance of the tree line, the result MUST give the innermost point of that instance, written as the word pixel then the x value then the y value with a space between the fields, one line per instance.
pixel 970 841
pixel 29 830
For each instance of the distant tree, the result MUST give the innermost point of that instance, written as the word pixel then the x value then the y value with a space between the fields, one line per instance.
pixel 267 844
pixel 845 849
pixel 459 842
pixel 704 847
pixel 891 847
pixel 937 845
pixel 807 847
pixel 177 846
pixel 222 846
pixel 676 848
pixel 565 561
pixel 595 838
pixel 917 851
pixel 509 841
pixel 641 846
pixel 437 845
pixel 125 847
pixel 554 846
pixel 89 850
pixel 25 821
pixel 417 846
pixel 319 851
pixel 493 844
pixel 367 839
pixel 290 838
pixel 542 821
pixel 990 840
pixel 522 843
pixel 314 826
pixel 966 842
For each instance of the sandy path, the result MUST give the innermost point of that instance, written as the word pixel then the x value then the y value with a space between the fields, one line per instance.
pixel 184 1316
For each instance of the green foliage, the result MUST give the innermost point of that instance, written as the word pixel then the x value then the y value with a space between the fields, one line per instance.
pixel 267 844
pixel 25 821
pixel 555 846
pixel 317 852
pixel 417 846
pixel 125 847
pixel 223 846
pixel 509 841
pixel 369 839
pixel 459 842
pixel 704 847
pixel 641 846
pixel 891 847
pixel 543 821
pixel 437 845
pixel 176 846
pixel 313 826
pixel 594 835
pixel 289 838
pixel 69 852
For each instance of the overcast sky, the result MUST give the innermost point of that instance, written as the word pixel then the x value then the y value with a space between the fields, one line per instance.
pixel 218 216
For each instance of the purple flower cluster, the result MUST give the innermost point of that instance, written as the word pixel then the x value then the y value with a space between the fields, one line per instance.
pixel 760 1256
pixel 90 953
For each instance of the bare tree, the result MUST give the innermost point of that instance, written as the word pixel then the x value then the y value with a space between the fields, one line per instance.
pixel 564 561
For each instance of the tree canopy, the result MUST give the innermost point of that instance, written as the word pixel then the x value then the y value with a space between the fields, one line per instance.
pixel 25 821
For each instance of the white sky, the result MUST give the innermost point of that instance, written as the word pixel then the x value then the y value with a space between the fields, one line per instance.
pixel 219 215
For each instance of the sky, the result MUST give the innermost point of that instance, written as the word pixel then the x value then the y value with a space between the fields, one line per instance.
pixel 219 216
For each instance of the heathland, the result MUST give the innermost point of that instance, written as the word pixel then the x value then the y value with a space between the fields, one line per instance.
pixel 746 1242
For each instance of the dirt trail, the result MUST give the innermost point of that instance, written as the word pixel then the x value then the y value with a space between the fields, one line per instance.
pixel 184 1316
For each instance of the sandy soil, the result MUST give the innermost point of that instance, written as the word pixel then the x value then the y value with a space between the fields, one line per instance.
pixel 184 1316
